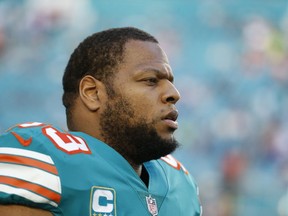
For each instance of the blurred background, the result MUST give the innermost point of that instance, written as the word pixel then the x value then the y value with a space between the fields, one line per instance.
pixel 230 61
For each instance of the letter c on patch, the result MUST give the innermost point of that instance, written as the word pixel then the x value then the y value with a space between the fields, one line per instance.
pixel 107 205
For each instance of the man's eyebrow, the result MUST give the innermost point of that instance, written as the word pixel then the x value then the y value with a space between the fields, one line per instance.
pixel 159 73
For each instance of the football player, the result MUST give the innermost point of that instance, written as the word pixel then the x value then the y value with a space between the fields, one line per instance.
pixel 115 159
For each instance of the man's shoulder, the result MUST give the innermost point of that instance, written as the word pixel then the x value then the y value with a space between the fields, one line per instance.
pixel 171 164
pixel 22 136
pixel 43 138
pixel 23 156
pixel 180 181
pixel 36 160
pixel 175 171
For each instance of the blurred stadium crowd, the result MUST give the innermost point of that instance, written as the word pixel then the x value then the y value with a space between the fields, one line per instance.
pixel 230 61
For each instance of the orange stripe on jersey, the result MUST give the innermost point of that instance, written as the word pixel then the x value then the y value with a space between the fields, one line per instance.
pixel 28 162
pixel 38 189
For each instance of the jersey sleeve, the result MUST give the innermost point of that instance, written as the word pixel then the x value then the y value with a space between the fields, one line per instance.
pixel 28 175
pixel 183 185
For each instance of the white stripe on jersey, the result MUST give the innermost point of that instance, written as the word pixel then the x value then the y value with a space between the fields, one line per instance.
pixel 31 174
pixel 26 153
pixel 27 194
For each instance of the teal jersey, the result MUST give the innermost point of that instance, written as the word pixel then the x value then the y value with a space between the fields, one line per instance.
pixel 74 174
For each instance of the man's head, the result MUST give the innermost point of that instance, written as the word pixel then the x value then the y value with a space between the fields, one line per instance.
pixel 118 87
pixel 99 56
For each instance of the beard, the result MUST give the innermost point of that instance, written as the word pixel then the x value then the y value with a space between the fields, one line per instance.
pixel 132 137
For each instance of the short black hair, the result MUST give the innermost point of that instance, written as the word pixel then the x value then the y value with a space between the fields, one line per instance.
pixel 98 55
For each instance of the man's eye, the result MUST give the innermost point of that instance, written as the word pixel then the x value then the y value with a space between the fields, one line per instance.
pixel 151 81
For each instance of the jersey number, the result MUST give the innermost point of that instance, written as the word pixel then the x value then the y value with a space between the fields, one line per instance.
pixel 169 159
pixel 65 141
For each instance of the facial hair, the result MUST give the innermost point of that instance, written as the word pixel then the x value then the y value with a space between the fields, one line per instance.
pixel 130 135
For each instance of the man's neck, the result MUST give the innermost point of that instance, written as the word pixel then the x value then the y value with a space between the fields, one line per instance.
pixel 137 168
pixel 142 173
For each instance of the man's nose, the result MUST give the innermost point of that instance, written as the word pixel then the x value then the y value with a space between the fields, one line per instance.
pixel 171 95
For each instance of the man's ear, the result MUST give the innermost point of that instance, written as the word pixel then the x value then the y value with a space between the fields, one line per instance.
pixel 92 92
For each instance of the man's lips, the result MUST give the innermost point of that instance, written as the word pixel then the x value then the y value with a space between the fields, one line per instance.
pixel 170 119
